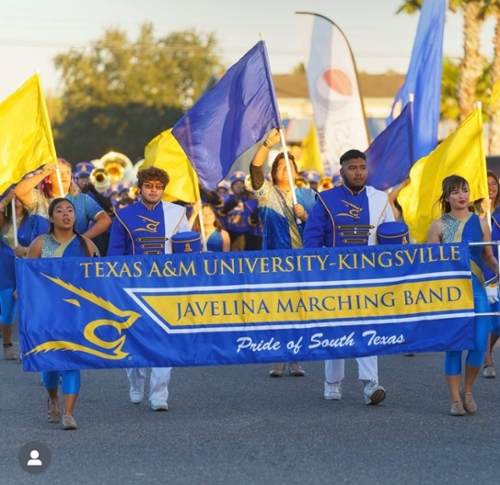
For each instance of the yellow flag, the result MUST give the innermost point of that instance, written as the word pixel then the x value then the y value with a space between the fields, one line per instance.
pixel 165 152
pixel 495 95
pixel 311 156
pixel 26 141
pixel 462 153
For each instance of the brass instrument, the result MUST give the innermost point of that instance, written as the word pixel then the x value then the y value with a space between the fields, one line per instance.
pixel 133 192
pixel 100 179
pixel 325 183
pixel 96 163
pixel 302 183
pixel 118 166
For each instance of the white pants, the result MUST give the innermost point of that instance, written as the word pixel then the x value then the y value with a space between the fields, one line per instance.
pixel 367 369
pixel 158 382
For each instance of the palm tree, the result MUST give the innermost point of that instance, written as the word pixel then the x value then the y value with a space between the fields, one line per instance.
pixel 492 7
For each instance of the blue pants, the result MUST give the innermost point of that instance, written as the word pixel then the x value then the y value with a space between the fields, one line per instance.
pixel 482 326
pixel 495 324
pixel 8 306
pixel 70 380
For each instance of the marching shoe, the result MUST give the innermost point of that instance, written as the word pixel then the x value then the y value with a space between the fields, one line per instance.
pixel 9 352
pixel 489 371
pixel 296 370
pixel 457 409
pixel 53 412
pixel 159 405
pixel 136 394
pixel 332 391
pixel 277 370
pixel 68 422
pixel 469 403
pixel 374 394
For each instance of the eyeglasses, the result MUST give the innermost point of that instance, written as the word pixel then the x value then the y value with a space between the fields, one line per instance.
pixel 149 186
pixel 493 184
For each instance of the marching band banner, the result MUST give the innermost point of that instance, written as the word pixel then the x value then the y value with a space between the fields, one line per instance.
pixel 245 307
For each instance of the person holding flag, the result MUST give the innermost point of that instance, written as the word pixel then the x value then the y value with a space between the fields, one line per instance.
pixel 458 224
pixel 346 216
pixel 37 201
pixel 283 221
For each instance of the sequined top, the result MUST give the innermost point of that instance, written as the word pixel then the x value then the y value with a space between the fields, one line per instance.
pixel 53 249
pixel 450 227
pixel 279 223
pixel 468 230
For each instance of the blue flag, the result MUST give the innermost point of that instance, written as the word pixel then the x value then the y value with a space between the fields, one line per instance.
pixel 390 156
pixel 423 78
pixel 230 118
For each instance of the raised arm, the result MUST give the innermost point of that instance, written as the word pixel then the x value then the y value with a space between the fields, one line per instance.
pixel 260 157
pixel 23 189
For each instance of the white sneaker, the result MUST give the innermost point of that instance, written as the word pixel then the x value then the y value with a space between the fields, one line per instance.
pixel 136 394
pixel 332 391
pixel 374 394
pixel 489 372
pixel 159 405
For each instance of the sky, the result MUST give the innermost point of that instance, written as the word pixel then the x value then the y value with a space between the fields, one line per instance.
pixel 32 32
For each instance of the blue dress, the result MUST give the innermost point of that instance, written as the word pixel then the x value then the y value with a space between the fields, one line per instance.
pixel 214 242
pixel 495 236
pixel 469 230
pixel 8 304
pixel 53 249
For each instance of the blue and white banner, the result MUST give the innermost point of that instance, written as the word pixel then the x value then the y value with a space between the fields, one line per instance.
pixel 248 307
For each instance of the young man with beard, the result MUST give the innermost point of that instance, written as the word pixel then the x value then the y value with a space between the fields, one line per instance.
pixel 347 216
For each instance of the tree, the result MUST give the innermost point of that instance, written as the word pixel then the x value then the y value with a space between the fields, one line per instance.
pixel 493 7
pixel 118 94
pixel 299 68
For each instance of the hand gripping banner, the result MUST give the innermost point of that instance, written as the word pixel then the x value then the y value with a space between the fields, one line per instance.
pixel 248 307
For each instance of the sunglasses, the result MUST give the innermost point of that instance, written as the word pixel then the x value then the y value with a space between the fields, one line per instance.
pixel 149 186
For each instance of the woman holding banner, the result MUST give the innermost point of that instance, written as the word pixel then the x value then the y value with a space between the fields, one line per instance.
pixel 458 224
pixel 62 240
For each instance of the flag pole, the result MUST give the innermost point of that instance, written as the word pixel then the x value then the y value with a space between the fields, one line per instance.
pixel 200 219
pixel 411 99
pixel 285 151
pixel 14 220
pixel 288 168
pixel 59 181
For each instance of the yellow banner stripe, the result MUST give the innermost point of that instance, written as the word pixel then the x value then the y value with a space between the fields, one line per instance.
pixel 314 304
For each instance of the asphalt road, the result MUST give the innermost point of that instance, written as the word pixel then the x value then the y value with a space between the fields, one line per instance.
pixel 235 425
